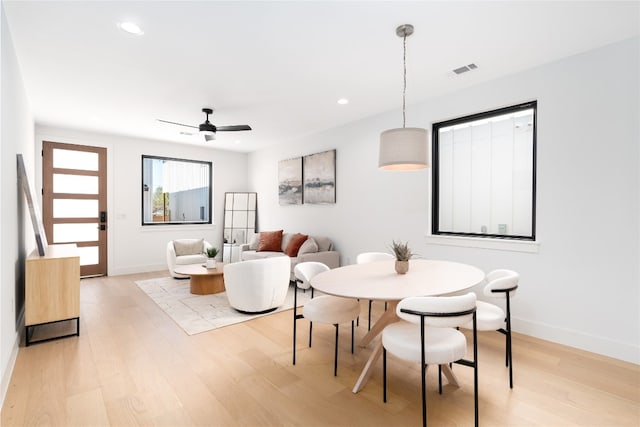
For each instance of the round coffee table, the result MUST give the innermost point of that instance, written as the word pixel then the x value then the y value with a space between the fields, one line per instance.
pixel 204 281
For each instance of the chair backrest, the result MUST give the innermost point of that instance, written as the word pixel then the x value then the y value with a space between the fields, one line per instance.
pixel 443 312
pixel 366 257
pixel 305 271
pixel 262 270
pixel 500 283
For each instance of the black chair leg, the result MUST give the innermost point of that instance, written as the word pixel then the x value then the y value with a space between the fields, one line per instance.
pixel 508 344
pixel 295 318
pixel 475 369
pixel 510 360
pixel 384 375
pixel 424 395
pixel 352 333
pixel 440 379
pixel 310 331
pixel 369 327
pixel 335 359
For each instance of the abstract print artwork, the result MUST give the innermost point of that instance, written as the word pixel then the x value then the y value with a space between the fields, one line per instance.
pixel 319 177
pixel 290 181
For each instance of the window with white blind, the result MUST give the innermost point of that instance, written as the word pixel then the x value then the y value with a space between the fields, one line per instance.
pixel 484 174
pixel 176 191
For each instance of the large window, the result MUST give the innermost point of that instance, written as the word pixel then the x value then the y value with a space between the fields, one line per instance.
pixel 175 191
pixel 484 174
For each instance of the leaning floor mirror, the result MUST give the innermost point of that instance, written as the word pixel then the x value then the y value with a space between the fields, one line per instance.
pixel 239 223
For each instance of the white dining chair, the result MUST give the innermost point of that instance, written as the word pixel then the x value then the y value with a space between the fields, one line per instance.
pixel 367 257
pixel 322 309
pixel 427 334
pixel 499 284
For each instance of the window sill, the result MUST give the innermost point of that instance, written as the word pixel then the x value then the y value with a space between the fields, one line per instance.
pixel 484 243
pixel 174 227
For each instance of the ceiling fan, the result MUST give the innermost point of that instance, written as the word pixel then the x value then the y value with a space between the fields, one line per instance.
pixel 208 129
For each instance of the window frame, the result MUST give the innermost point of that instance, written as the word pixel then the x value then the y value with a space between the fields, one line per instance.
pixel 435 181
pixel 174 223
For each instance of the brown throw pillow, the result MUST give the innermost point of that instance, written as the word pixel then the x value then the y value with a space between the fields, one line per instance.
pixel 270 241
pixel 294 245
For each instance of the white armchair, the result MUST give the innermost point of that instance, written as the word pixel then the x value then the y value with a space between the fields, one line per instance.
pixel 257 286
pixel 185 251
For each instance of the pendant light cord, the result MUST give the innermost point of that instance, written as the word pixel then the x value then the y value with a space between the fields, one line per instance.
pixel 404 75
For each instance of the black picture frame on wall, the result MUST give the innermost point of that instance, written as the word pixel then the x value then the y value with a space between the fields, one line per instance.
pixel 319 178
pixel 34 210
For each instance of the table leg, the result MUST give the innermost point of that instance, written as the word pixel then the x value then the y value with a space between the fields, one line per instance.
pixel 446 370
pixel 387 318
pixel 368 368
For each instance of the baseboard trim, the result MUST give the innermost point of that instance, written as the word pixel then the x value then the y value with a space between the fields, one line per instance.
pixel 136 269
pixel 8 372
pixel 572 338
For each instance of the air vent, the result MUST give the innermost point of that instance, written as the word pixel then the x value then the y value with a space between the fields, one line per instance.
pixel 465 68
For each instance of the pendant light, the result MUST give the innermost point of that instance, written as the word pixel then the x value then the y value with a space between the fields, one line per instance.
pixel 403 148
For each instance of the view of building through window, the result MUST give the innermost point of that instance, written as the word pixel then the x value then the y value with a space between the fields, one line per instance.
pixel 176 191
pixel 484 174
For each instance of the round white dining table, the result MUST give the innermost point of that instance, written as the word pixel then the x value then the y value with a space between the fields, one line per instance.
pixel 379 281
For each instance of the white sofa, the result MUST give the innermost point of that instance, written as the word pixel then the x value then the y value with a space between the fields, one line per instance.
pixel 259 285
pixel 185 251
pixel 316 248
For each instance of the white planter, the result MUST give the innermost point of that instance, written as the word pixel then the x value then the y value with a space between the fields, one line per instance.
pixel 211 263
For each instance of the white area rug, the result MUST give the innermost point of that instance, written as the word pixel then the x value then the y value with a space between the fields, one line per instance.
pixel 200 313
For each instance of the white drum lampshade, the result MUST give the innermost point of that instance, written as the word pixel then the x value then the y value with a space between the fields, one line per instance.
pixel 403 149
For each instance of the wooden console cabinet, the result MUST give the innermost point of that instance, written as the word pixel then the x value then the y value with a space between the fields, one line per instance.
pixel 52 288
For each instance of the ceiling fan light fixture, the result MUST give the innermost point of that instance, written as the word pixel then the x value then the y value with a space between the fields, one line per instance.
pixel 403 148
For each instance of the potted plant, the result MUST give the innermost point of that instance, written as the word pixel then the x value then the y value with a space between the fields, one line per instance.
pixel 403 254
pixel 211 252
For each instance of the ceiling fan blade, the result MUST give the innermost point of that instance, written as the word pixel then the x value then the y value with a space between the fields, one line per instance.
pixel 179 124
pixel 233 128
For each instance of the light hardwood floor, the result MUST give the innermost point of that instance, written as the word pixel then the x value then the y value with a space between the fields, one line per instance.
pixel 132 365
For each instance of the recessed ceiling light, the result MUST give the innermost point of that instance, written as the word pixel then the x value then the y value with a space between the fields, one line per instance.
pixel 343 101
pixel 237 141
pixel 131 28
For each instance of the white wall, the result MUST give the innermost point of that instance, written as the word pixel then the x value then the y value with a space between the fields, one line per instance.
pixel 131 247
pixel 582 287
pixel 16 234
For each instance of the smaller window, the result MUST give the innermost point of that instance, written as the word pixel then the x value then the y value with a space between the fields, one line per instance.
pixel 484 174
pixel 175 191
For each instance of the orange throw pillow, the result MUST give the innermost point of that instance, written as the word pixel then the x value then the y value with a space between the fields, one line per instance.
pixel 270 241
pixel 294 244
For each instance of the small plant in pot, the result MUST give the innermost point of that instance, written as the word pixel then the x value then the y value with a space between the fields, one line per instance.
pixel 403 254
pixel 211 257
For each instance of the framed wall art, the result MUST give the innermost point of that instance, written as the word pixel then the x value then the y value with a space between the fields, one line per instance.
pixel 290 181
pixel 319 177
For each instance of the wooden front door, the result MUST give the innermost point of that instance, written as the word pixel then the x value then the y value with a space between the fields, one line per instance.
pixel 74 201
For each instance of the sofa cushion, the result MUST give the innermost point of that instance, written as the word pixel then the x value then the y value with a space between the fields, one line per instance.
pixel 255 241
pixel 191 259
pixel 294 244
pixel 188 246
pixel 286 238
pixel 308 247
pixel 324 243
pixel 270 241
pixel 249 255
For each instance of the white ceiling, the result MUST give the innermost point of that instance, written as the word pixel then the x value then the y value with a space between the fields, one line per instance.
pixel 280 66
